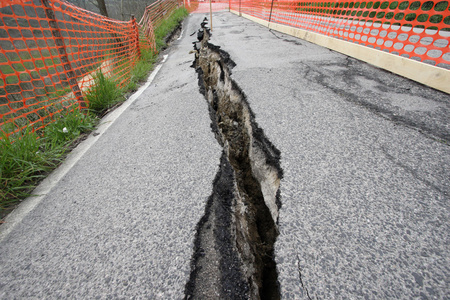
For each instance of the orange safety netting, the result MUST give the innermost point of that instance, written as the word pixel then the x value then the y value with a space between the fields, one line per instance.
pixel 418 30
pixel 205 6
pixel 51 52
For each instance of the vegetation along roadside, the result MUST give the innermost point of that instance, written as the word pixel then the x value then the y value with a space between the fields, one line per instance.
pixel 28 157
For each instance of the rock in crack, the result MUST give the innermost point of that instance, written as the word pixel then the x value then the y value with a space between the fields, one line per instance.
pixel 234 247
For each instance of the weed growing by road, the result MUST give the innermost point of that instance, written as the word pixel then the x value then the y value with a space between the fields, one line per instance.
pixel 103 94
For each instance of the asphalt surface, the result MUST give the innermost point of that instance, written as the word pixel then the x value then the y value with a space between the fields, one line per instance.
pixel 121 223
pixel 365 193
pixel 365 154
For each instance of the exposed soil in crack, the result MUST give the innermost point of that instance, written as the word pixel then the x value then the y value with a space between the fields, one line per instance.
pixel 216 265
pixel 242 214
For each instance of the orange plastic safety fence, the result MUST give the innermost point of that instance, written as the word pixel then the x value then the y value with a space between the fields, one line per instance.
pixel 154 14
pixel 419 30
pixel 205 6
pixel 50 54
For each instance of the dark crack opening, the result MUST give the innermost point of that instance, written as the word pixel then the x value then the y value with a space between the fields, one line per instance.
pixel 234 247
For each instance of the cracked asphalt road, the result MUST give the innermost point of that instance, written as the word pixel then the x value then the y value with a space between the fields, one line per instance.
pixel 365 154
pixel 365 194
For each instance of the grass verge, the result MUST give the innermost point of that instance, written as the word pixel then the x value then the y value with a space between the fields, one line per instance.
pixel 27 157
pixel 104 94
pixel 167 26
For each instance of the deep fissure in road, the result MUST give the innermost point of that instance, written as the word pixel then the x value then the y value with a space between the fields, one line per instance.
pixel 234 247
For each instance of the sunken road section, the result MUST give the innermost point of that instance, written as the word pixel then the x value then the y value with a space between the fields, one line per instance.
pixel 234 247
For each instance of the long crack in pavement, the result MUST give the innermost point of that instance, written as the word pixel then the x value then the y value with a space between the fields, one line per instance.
pixel 234 247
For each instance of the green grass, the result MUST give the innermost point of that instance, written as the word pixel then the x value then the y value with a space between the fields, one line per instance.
pixel 142 69
pixel 104 94
pixel 68 128
pixel 22 163
pixel 168 25
pixel 27 157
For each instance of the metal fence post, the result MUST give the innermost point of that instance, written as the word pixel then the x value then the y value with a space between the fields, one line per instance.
pixel 271 8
